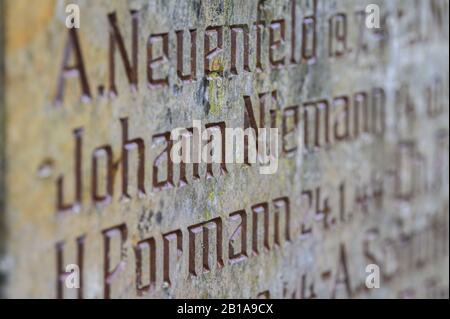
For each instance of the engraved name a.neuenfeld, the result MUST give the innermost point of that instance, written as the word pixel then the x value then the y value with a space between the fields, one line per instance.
pixel 213 54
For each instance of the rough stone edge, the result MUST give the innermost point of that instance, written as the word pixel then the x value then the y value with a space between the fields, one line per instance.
pixel 3 227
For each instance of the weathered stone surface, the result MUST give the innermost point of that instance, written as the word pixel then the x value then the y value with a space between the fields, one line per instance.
pixel 363 136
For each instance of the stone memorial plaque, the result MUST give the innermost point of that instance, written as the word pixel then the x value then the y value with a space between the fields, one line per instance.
pixel 224 149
